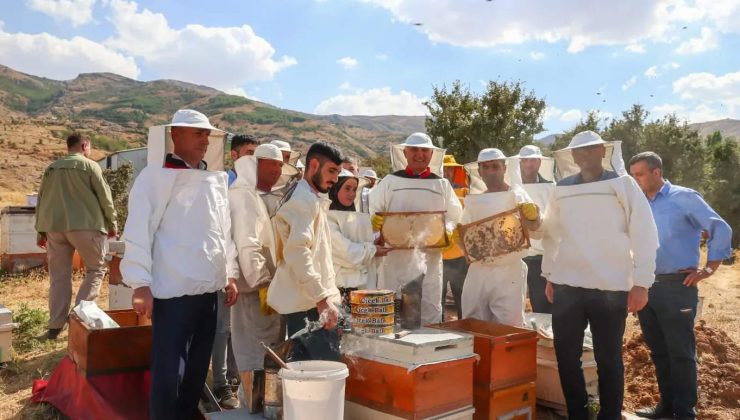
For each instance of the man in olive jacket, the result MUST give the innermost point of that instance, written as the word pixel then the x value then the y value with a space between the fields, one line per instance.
pixel 75 212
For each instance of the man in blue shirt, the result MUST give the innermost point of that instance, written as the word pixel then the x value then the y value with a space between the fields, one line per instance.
pixel 667 322
pixel 241 145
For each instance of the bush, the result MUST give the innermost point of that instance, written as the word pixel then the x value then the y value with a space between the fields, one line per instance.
pixel 119 181
pixel 29 335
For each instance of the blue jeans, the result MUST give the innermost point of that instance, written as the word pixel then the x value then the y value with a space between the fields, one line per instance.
pixel 222 359
pixel 182 339
pixel 667 323
pixel 605 311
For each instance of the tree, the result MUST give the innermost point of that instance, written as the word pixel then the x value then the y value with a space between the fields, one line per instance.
pixel 504 116
pixel 593 122
pixel 723 192
pixel 381 165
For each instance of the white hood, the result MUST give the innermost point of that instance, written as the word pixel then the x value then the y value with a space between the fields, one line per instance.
pixel 512 177
pixel 246 171
pixel 159 143
pixel 565 166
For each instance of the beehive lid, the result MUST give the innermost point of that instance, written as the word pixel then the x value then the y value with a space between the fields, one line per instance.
pixel 422 346
pixel 6 317
pixel 18 210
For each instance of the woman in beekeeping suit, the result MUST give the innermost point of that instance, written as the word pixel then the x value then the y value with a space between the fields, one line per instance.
pixel 416 186
pixel 538 180
pixel 599 246
pixel 353 246
pixel 494 290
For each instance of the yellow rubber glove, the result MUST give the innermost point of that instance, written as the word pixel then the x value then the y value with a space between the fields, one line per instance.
pixel 447 242
pixel 264 307
pixel 530 211
pixel 377 221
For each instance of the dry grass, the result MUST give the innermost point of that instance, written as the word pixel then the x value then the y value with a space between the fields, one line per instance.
pixel 12 199
pixel 17 376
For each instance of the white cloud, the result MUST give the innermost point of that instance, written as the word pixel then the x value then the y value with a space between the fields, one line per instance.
pixel 706 42
pixel 700 113
pixel 381 57
pixel 671 66
pixel 651 72
pixel 77 12
pixel 536 55
pixel 578 23
pixel 571 115
pixel 345 86
pixel 708 87
pixel 629 83
pixel 222 57
pixel 378 101
pixel 635 48
pixel 552 112
pixel 347 62
pixel 239 91
pixel 57 58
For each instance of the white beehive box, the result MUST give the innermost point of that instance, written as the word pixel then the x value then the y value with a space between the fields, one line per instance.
pixel 18 232
pixel 6 333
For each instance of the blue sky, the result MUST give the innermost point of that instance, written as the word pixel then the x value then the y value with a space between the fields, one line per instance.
pixel 368 57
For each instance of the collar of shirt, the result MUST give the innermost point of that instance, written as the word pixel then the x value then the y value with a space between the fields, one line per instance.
pixel 663 190
pixel 172 161
pixel 426 173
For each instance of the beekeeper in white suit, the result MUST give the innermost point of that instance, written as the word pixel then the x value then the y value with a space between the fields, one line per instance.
pixel 251 318
pixel 179 253
pixel 495 291
pixel 415 186
pixel 600 243
pixel 538 180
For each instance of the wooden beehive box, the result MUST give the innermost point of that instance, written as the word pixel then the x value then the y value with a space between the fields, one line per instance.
pixel 508 354
pixel 111 350
pixel 403 377
pixel 517 402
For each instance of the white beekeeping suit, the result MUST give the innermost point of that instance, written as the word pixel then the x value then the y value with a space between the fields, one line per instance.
pixel 251 321
pixel 404 192
pixel 541 191
pixel 364 196
pixel 353 250
pixel 495 291
pixel 291 158
pixel 598 235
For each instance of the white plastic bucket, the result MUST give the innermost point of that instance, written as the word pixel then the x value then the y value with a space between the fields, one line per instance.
pixel 314 389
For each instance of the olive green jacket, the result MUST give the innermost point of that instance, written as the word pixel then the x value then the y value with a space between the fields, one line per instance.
pixel 74 196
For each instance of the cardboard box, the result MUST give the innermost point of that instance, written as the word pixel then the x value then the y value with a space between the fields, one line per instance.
pixel 110 350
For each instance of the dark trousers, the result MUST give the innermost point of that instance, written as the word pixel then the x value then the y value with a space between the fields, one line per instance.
pixel 453 273
pixel 536 285
pixel 667 323
pixel 321 344
pixel 182 338
pixel 573 309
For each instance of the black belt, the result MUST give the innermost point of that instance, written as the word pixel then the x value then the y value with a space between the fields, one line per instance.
pixel 671 277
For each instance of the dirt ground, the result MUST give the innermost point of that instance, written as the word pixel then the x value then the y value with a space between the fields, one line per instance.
pixel 718 338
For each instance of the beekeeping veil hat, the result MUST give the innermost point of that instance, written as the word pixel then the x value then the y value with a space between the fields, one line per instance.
pixel 565 165
pixel 246 166
pixel 547 164
pixel 284 146
pixel 511 177
pixel 369 174
pixel 398 159
pixel 159 141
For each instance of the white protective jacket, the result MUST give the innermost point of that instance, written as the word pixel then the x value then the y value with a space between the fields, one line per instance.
pixel 254 236
pixel 396 193
pixel 304 274
pixel 600 235
pixel 178 233
pixel 353 250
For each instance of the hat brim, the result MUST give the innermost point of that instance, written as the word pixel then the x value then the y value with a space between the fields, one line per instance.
pixel 420 146
pixel 201 126
pixel 590 143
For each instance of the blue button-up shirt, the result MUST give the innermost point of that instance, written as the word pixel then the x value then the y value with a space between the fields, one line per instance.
pixel 232 176
pixel 681 214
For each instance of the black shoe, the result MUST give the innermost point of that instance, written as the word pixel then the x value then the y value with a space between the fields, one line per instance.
pixel 53 333
pixel 657 412
pixel 226 398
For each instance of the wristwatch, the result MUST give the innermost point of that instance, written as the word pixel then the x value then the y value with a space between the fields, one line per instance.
pixel 708 270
